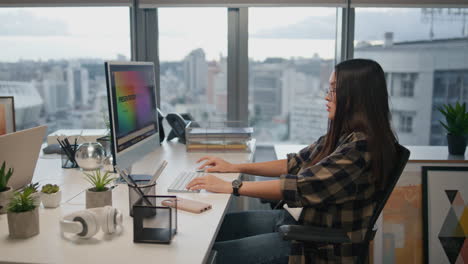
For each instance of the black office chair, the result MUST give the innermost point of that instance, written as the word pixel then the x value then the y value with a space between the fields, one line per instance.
pixel 323 235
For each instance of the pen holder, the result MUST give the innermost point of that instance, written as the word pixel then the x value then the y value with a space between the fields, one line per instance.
pixel 66 162
pixel 159 227
pixel 134 195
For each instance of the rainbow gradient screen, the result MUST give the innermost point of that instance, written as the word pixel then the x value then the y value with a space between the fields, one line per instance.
pixel 134 103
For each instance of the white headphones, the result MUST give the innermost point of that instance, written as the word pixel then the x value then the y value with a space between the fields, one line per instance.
pixel 85 223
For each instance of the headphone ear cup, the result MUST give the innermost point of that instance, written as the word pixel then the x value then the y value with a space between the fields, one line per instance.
pixel 107 218
pixel 107 223
pixel 90 223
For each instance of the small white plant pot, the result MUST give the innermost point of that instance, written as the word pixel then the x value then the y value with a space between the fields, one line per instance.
pixel 23 225
pixel 36 198
pixel 98 199
pixel 51 200
pixel 5 198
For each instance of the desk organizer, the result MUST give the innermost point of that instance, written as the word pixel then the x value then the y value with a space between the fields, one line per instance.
pixel 227 136
pixel 67 163
pixel 134 194
pixel 155 224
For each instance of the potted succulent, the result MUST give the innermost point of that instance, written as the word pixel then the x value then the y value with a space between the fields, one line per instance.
pixel 33 188
pixel 6 192
pixel 23 215
pixel 456 126
pixel 99 194
pixel 51 195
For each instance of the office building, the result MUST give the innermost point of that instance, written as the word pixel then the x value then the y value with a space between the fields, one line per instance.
pixel 421 76
pixel 217 87
pixel 78 84
pixel 195 73
pixel 28 102
pixel 267 89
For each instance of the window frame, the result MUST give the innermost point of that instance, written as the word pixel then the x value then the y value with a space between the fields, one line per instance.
pixel 145 42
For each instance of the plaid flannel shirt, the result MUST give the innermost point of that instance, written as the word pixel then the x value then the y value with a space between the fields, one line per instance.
pixel 336 192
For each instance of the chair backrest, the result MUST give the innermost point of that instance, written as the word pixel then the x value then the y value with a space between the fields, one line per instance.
pixel 382 197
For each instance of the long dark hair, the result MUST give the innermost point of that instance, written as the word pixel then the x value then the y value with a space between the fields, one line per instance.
pixel 362 106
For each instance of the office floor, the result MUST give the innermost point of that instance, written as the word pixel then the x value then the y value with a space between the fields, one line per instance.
pixel 262 153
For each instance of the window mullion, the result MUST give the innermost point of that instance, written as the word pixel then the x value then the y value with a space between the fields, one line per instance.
pixel 344 33
pixel 238 63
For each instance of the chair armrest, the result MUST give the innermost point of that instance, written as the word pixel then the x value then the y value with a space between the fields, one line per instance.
pixel 313 234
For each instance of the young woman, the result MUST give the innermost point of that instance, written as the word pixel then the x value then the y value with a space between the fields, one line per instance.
pixel 333 180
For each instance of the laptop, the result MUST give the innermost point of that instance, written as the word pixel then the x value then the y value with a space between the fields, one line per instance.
pixel 20 151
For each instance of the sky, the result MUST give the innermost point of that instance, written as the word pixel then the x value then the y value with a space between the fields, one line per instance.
pixel 103 32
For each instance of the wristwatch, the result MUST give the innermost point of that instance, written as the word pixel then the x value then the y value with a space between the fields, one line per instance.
pixel 236 184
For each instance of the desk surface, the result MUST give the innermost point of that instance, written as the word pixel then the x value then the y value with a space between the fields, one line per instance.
pixel 419 154
pixel 192 244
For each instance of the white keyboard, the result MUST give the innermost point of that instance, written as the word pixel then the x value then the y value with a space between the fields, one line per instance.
pixel 181 181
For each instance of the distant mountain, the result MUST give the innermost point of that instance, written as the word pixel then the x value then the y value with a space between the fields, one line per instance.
pixel 407 24
pixel 322 27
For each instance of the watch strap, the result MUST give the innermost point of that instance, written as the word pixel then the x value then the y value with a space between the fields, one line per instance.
pixel 235 188
pixel 235 191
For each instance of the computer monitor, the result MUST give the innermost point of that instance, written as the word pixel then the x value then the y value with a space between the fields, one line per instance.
pixel 131 91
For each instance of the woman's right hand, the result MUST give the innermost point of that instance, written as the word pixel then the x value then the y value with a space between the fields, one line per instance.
pixel 217 165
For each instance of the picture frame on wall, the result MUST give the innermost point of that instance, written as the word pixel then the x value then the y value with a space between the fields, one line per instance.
pixel 7 115
pixel 445 214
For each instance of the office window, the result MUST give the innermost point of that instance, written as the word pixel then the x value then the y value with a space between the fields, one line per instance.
pixel 407 84
pixel 465 87
pixel 424 60
pixel 439 88
pixel 291 56
pixel 193 59
pixel 52 62
pixel 450 87
pixel 406 123
pixel 401 84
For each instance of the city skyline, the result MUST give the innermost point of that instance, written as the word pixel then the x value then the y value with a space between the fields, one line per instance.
pixel 195 85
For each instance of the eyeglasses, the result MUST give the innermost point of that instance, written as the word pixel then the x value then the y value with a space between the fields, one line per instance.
pixel 331 91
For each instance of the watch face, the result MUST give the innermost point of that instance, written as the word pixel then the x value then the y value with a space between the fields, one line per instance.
pixel 236 183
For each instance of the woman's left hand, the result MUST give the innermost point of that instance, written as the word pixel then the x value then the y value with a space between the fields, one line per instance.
pixel 210 183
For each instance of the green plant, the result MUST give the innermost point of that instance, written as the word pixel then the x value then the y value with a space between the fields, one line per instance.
pixel 99 181
pixel 456 119
pixel 5 177
pixel 32 186
pixel 50 188
pixel 21 202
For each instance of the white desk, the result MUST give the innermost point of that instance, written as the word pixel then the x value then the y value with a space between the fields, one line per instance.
pixel 192 244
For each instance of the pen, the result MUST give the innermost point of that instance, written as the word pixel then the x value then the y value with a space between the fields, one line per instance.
pixel 66 150
pixel 132 183
pixel 67 143
pixel 135 185
pixel 158 172
pixel 124 176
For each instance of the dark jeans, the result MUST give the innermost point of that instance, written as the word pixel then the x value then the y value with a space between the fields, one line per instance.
pixel 252 237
